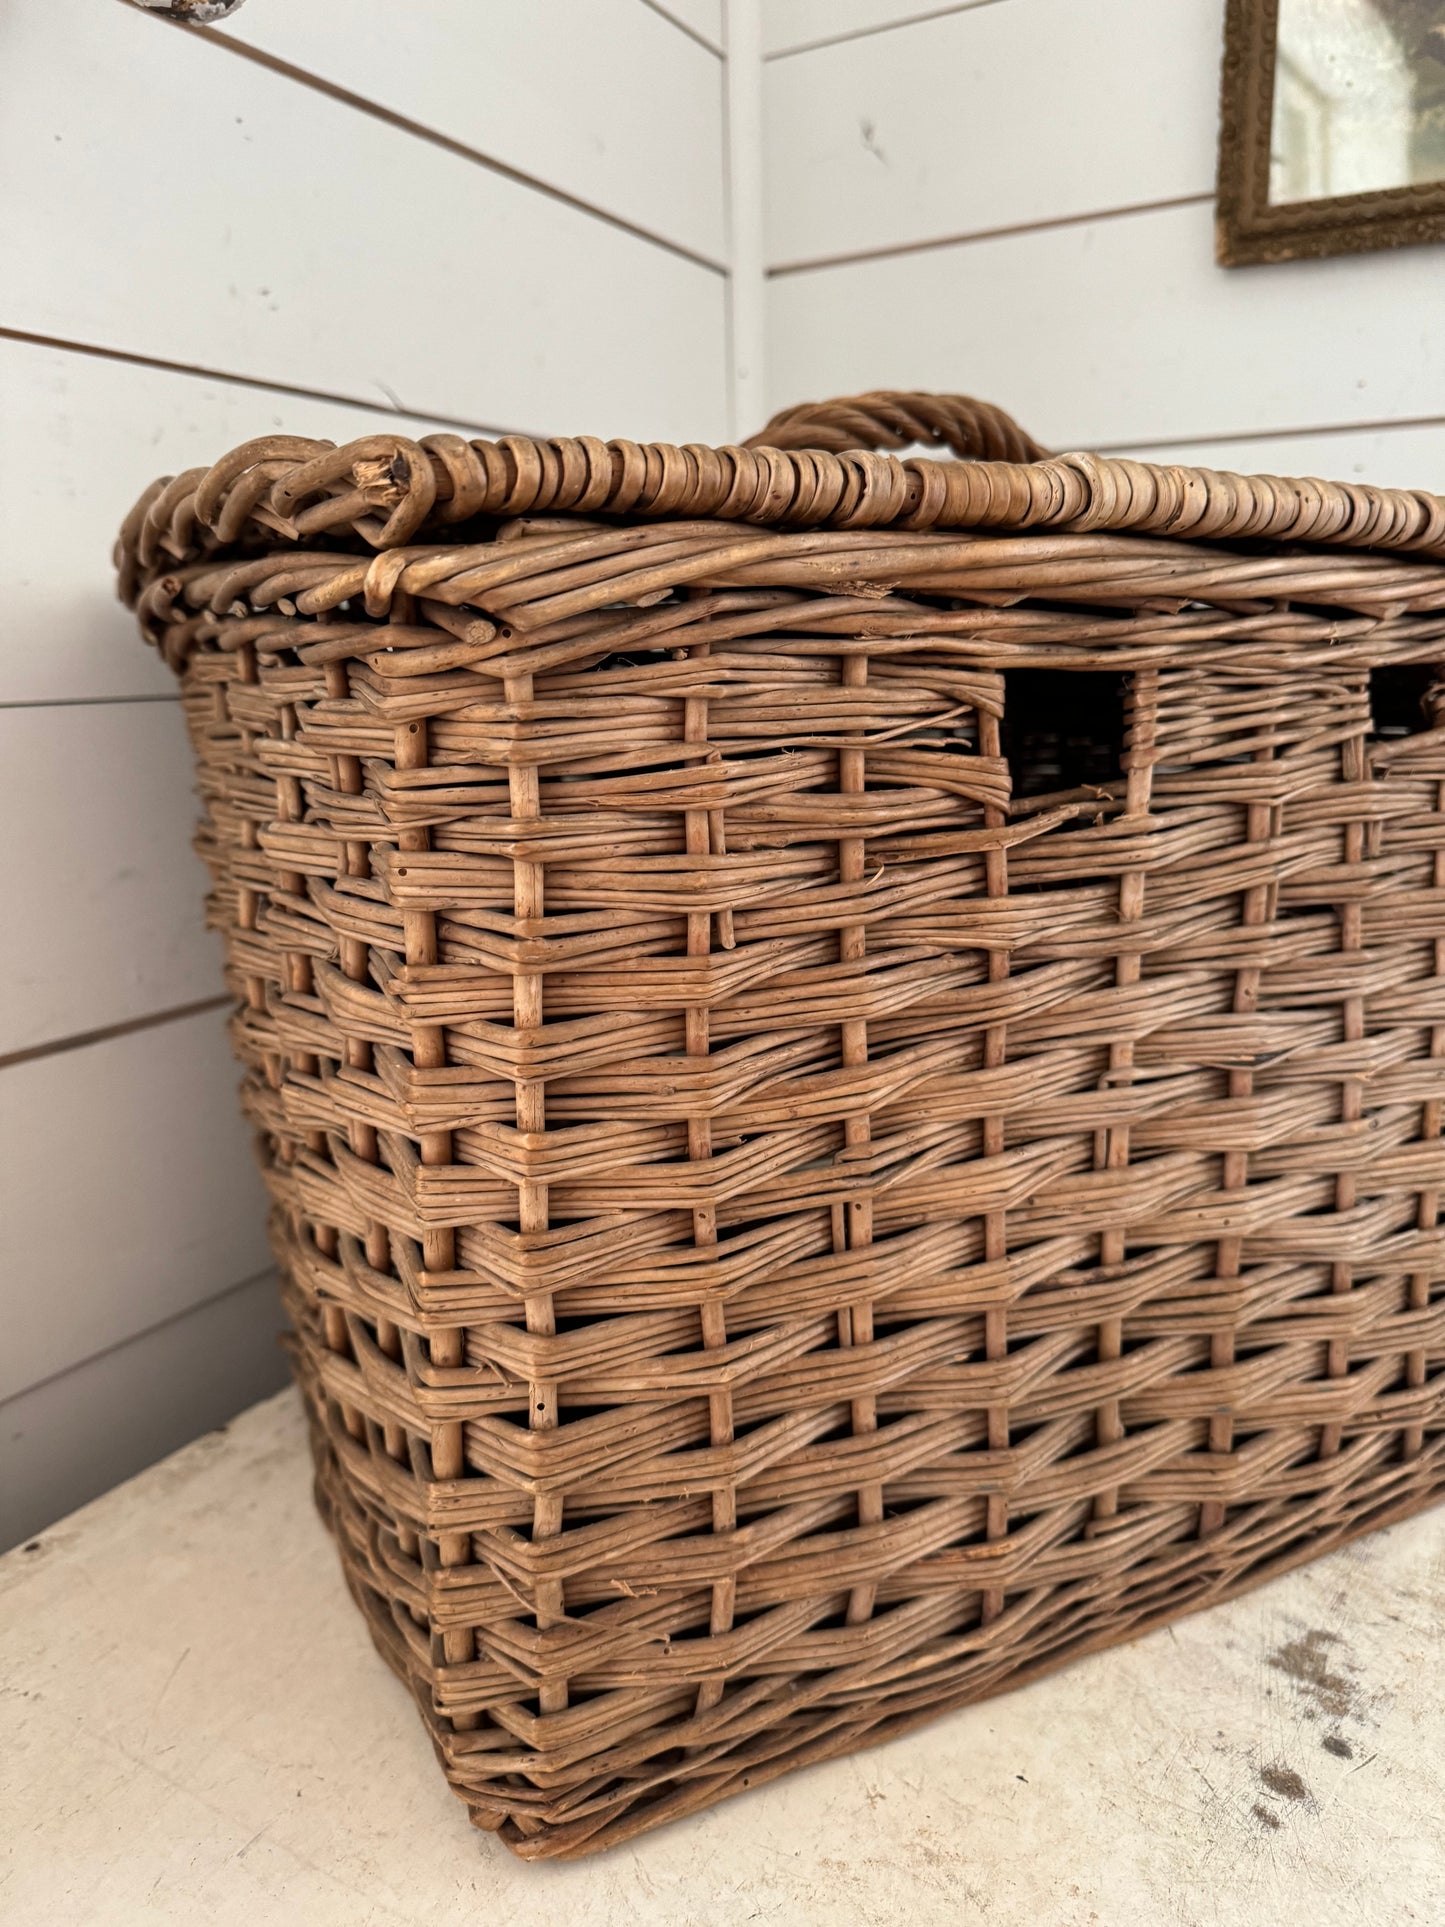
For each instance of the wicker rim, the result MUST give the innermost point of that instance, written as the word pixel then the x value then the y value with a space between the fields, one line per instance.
pixel 818 465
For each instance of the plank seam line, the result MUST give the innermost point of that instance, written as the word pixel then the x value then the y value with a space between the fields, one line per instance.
pixel 881 26
pixel 82 1039
pixel 1272 434
pixel 83 702
pixel 391 406
pixel 403 123
pixel 147 1331
pixel 860 255
pixel 709 46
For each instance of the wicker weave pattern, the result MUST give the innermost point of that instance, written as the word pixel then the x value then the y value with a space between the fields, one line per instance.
pixel 785 1234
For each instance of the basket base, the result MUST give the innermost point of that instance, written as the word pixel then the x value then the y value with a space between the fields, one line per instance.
pixel 802 1723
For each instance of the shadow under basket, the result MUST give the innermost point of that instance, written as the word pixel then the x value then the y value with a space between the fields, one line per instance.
pixel 848 1052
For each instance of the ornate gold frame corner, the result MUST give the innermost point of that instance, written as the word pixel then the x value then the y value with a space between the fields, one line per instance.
pixel 1247 228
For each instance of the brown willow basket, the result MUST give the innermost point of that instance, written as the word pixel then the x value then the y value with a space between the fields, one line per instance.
pixel 849 1053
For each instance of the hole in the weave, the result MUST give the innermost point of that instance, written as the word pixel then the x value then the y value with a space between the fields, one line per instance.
pixel 744 1428
pixel 579 1695
pixel 569 1414
pixel 833 1622
pixel 1398 695
pixel 1063 729
pixel 639 656
pixel 897 1507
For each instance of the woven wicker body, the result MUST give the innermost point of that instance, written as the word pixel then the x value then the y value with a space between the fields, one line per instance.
pixel 848 1052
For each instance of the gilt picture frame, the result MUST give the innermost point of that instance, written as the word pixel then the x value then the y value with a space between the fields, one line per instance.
pixel 1352 97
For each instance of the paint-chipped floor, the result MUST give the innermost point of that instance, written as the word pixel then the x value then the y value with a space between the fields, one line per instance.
pixel 195 1729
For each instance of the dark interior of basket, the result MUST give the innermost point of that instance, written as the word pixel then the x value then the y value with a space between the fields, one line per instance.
pixel 1064 729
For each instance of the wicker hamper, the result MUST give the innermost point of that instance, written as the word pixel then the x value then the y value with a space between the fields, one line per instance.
pixel 849 1053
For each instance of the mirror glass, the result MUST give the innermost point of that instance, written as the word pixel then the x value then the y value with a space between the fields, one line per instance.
pixel 1359 97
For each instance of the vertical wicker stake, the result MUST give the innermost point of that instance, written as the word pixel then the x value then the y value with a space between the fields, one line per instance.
pixel 1427 1216
pixel 356 964
pixel 702 832
pixel 528 903
pixel 248 898
pixel 298 979
pixel 1143 708
pixel 334 1317
pixel 297 968
pixel 1258 909
pixel 1353 767
pixel 378 1243
pixel 428 1049
pixel 346 779
pixel 248 901
pixel 995 1222
pixel 855 1324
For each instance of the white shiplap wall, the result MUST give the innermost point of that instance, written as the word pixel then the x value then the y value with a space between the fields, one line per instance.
pixel 1013 198
pixel 320 219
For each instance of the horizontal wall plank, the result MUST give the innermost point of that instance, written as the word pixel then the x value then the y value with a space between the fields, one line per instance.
pixel 218 214
pixel 1410 455
pixel 790 24
pixel 702 17
pixel 83 435
pixel 977 120
pixel 585 95
pixel 74 1437
pixel 103 904
pixel 130 1193
pixel 1123 330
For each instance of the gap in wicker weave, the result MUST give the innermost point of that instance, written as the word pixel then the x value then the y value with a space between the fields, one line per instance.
pixel 1399 695
pixel 1063 729
pixel 634 658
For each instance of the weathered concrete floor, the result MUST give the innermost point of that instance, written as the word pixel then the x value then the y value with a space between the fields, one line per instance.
pixel 196 1729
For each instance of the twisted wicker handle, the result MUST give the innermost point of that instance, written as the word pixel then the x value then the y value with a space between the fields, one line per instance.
pixel 974 430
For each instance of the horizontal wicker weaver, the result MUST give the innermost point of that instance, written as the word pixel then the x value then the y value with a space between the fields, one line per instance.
pixel 848 1050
